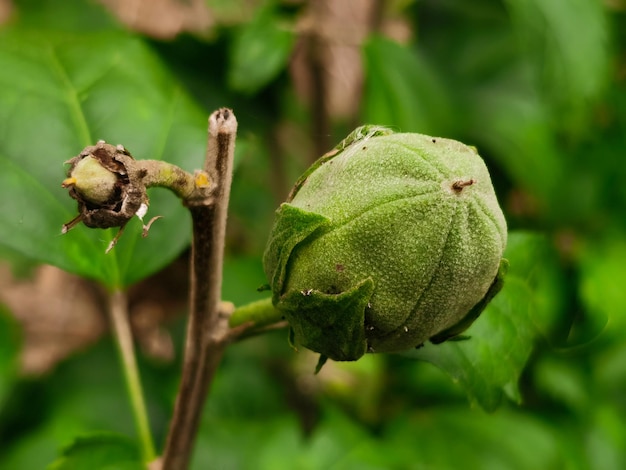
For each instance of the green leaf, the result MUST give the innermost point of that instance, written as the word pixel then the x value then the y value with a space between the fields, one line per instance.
pixel 556 36
pixel 534 260
pixel 515 128
pixel 246 412
pixel 455 437
pixel 62 92
pixel 563 382
pixel 337 443
pixel 69 15
pixel 609 371
pixel 10 345
pixel 604 437
pixel 602 275
pixel 260 51
pixel 104 451
pixel 248 444
pixel 491 361
pixel 488 364
pixel 243 275
pixel 277 444
pixel 83 394
pixel 402 90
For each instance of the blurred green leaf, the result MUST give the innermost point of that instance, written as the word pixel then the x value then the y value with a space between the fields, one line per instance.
pixel 83 394
pixel 402 90
pixel 513 127
pixel 455 437
pixel 563 382
pixel 62 92
pixel 609 370
pixel 10 345
pixel 242 444
pixel 103 451
pixel 260 51
pixel 533 258
pixel 231 395
pixel 604 440
pixel 567 41
pixel 488 365
pixel 278 444
pixel 282 446
pixel 245 410
pixel 22 267
pixel 242 277
pixel 339 442
pixel 68 15
pixel 368 375
pixel 602 278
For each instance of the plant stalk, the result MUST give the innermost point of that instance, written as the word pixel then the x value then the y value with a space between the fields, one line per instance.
pixel 260 314
pixel 207 330
pixel 118 313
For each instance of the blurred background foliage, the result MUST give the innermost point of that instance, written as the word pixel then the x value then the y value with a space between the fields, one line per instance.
pixel 538 86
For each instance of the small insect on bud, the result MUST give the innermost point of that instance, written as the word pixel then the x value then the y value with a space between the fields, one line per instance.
pixel 386 242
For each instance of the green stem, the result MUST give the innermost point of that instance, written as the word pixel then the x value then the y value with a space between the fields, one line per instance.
pixel 261 313
pixel 118 312
pixel 166 175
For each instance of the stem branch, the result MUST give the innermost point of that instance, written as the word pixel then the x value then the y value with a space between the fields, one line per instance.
pixel 207 330
pixel 261 313
pixel 118 313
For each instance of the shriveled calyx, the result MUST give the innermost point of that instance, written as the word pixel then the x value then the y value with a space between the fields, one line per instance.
pixel 386 242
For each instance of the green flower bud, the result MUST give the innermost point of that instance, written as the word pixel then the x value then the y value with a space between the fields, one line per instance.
pixel 386 242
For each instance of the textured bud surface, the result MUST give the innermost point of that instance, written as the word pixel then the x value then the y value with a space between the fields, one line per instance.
pixel 387 242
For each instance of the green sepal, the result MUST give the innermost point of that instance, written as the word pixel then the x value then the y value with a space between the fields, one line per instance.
pixel 291 337
pixel 330 324
pixel 459 338
pixel 454 331
pixel 320 363
pixel 293 226
pixel 362 133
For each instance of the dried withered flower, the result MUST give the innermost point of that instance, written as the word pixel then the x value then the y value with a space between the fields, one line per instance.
pixel 108 191
pixel 111 186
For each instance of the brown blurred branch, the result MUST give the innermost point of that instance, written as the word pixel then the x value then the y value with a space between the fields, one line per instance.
pixel 327 66
pixel 320 125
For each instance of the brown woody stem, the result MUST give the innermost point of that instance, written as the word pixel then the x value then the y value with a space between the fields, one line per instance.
pixel 207 330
